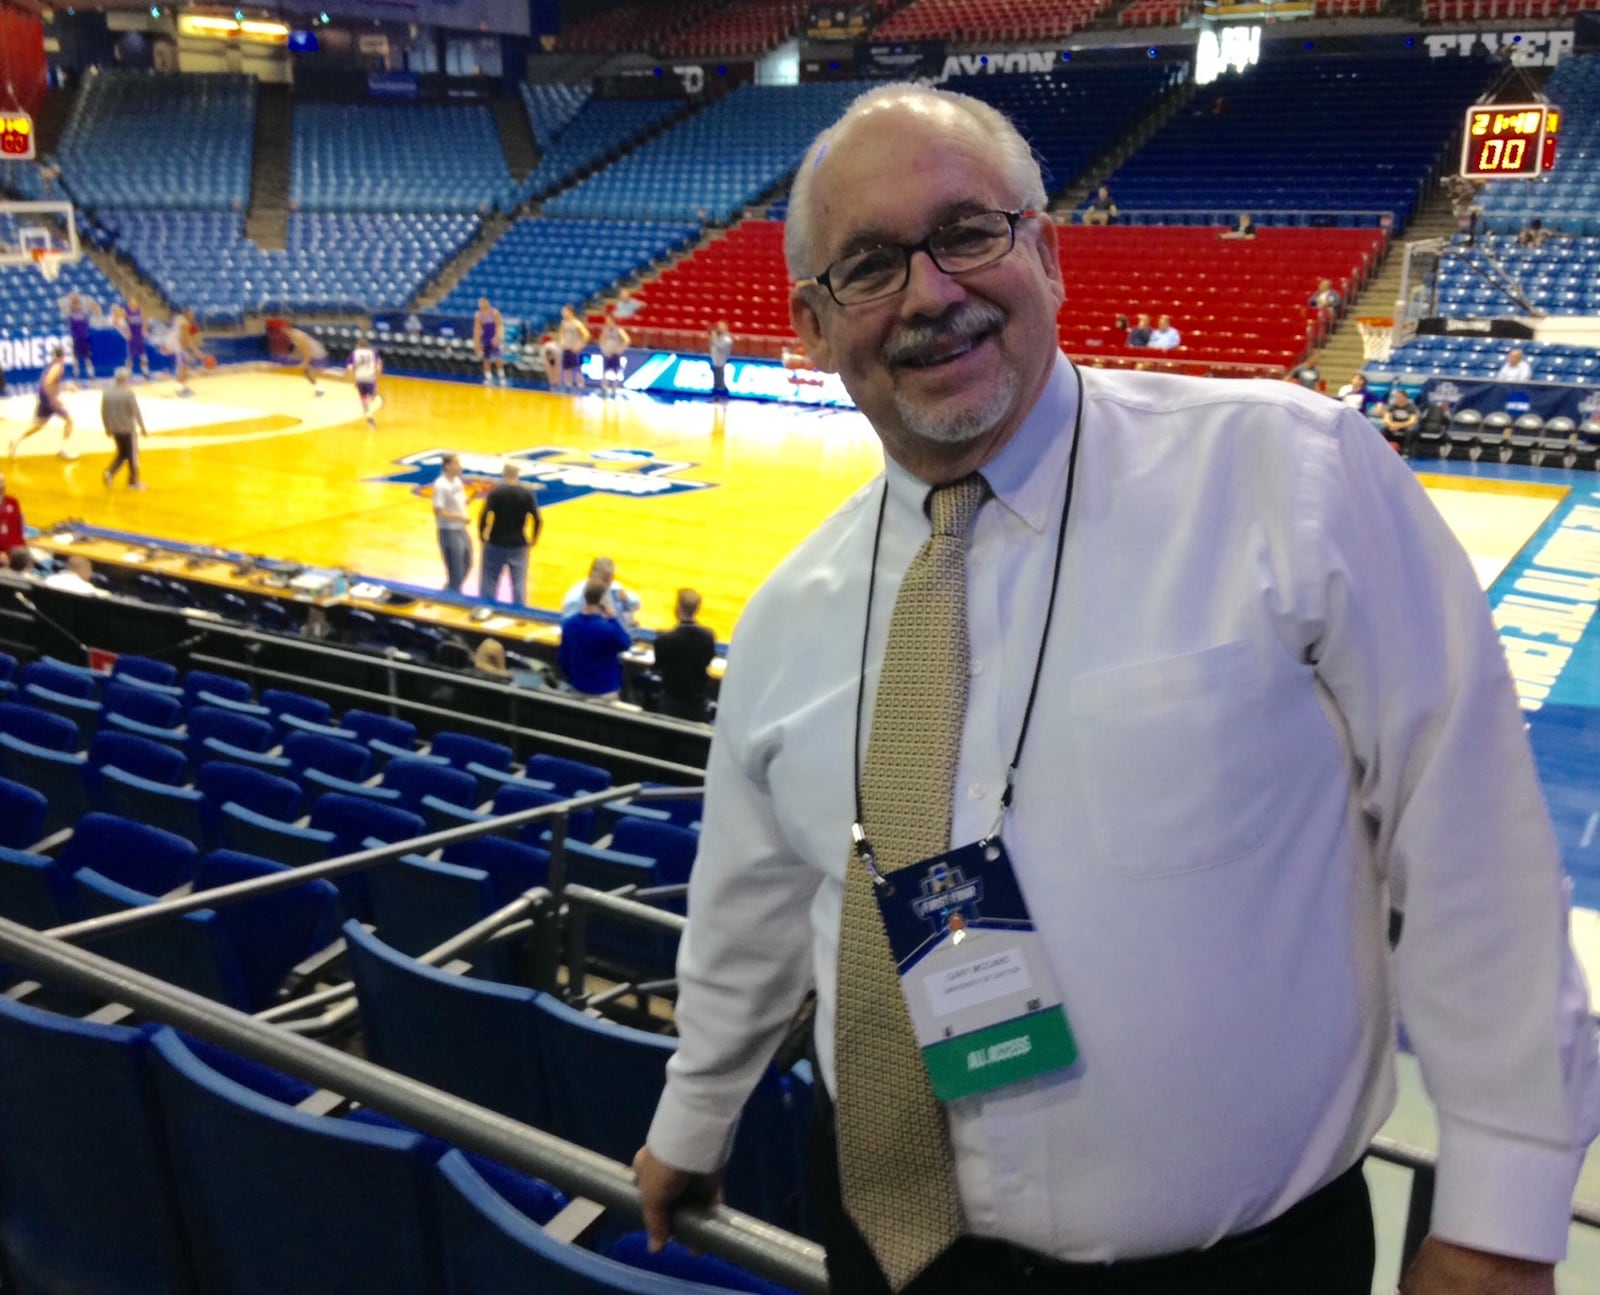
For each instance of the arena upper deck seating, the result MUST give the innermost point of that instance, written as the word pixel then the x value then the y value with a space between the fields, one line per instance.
pixel 334 261
pixel 135 139
pixel 745 27
pixel 599 129
pixel 397 157
pixel 1568 198
pixel 639 26
pixel 1311 134
pixel 541 265
pixel 1073 115
pixel 988 20
pixel 551 108
pixel 720 159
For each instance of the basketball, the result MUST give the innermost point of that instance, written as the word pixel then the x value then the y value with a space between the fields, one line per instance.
pixel 210 362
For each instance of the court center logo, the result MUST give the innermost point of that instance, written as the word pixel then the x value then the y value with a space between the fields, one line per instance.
pixel 556 473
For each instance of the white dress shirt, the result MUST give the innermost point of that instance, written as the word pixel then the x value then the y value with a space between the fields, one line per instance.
pixel 450 497
pixel 1521 371
pixel 1272 704
pixel 624 605
pixel 1165 339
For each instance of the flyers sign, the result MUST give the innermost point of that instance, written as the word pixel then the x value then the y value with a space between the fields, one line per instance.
pixel 16 135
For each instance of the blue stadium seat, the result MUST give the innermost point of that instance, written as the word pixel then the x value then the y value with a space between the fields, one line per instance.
pixel 344 1207
pixel 348 760
pixel 22 811
pixel 145 669
pixel 82 712
pixel 145 704
pixel 131 854
pixel 138 755
pixel 368 725
pixel 218 685
pixel 254 789
pixel 413 779
pixel 570 777
pixel 250 832
pixel 38 727
pixel 86 1189
pixel 179 810
pixel 462 749
pixel 283 702
pixel 512 867
pixel 243 732
pixel 56 774
pixel 34 891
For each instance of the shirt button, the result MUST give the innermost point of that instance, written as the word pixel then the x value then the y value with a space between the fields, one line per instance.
pixel 977 791
pixel 977 668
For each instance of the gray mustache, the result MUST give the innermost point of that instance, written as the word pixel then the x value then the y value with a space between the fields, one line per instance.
pixel 960 324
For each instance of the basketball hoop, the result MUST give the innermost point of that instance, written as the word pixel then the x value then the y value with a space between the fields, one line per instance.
pixel 1377 336
pixel 47 262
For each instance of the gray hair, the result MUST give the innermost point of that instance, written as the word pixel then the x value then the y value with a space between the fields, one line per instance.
pixel 961 112
pixel 123 374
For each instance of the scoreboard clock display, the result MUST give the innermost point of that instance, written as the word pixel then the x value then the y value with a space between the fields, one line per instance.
pixel 1508 141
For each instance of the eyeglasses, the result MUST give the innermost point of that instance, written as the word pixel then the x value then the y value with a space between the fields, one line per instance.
pixel 961 246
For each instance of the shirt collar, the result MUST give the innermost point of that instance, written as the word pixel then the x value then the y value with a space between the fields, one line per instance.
pixel 1028 474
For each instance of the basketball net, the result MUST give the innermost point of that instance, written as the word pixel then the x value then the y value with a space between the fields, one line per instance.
pixel 1377 336
pixel 47 262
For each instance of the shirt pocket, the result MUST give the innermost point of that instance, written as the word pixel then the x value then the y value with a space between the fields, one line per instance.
pixel 1175 758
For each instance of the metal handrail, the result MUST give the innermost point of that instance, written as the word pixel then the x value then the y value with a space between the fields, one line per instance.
pixel 744 1240
pixel 344 864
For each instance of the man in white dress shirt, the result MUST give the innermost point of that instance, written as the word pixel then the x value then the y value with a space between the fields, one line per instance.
pixel 1271 707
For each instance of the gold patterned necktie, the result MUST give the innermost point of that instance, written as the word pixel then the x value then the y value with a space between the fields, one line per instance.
pixel 896 1170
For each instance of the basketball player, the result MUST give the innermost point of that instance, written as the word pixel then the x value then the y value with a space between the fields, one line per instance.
pixel 573 334
pixel 365 365
pixel 77 312
pixel 185 341
pixel 128 320
pixel 50 406
pixel 614 342
pixel 488 337
pixel 309 352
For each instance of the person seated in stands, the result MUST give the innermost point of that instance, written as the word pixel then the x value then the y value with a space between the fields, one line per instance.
pixel 1516 368
pixel 19 561
pixel 620 604
pixel 12 528
pixel 1326 297
pixel 1246 228
pixel 1535 235
pixel 77 577
pixel 591 642
pixel 682 656
pixel 1138 333
pixel 1357 394
pixel 1400 419
pixel 1102 208
pixel 490 659
pixel 1165 337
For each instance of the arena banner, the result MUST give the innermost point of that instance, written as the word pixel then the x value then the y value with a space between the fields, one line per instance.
pixel 1522 48
pixel 906 60
pixel 1455 326
pixel 1547 399
pixel 676 80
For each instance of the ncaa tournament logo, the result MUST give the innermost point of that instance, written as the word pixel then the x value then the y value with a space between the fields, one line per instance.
pixel 556 474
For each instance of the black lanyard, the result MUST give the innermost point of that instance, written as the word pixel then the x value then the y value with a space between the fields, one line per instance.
pixel 858 833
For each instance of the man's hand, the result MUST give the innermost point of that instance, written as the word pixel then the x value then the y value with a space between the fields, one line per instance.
pixel 661 1187
pixel 1442 1268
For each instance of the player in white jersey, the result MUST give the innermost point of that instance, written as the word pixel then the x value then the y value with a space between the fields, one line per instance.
pixel 309 352
pixel 365 366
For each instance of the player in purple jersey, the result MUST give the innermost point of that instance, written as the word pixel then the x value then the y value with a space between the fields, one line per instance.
pixel 129 321
pixel 50 406
pixel 488 337
pixel 77 312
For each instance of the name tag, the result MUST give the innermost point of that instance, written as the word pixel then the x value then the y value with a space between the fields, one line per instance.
pixel 983 1001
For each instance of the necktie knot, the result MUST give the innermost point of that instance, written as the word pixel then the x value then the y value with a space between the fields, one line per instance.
pixel 953 507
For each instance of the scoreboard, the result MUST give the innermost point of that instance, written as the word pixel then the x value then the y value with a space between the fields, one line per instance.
pixel 1509 141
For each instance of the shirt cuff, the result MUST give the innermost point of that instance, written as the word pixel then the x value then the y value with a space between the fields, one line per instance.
pixel 1504 1194
pixel 689 1139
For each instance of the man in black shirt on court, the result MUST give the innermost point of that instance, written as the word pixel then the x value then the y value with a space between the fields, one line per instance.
pixel 508 527
pixel 682 655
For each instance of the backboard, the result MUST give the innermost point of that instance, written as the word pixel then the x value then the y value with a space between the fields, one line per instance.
pixel 30 227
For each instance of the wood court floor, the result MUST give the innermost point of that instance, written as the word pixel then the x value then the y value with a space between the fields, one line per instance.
pixel 255 463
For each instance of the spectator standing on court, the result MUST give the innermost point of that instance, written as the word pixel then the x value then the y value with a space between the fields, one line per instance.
pixel 450 517
pixel 682 656
pixel 591 641
pixel 508 527
pixel 1516 368
pixel 719 342
pixel 12 528
pixel 614 343
pixel 124 423
pixel 1102 208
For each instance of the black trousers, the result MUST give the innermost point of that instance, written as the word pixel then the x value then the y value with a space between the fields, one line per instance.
pixel 126 453
pixel 1322 1246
